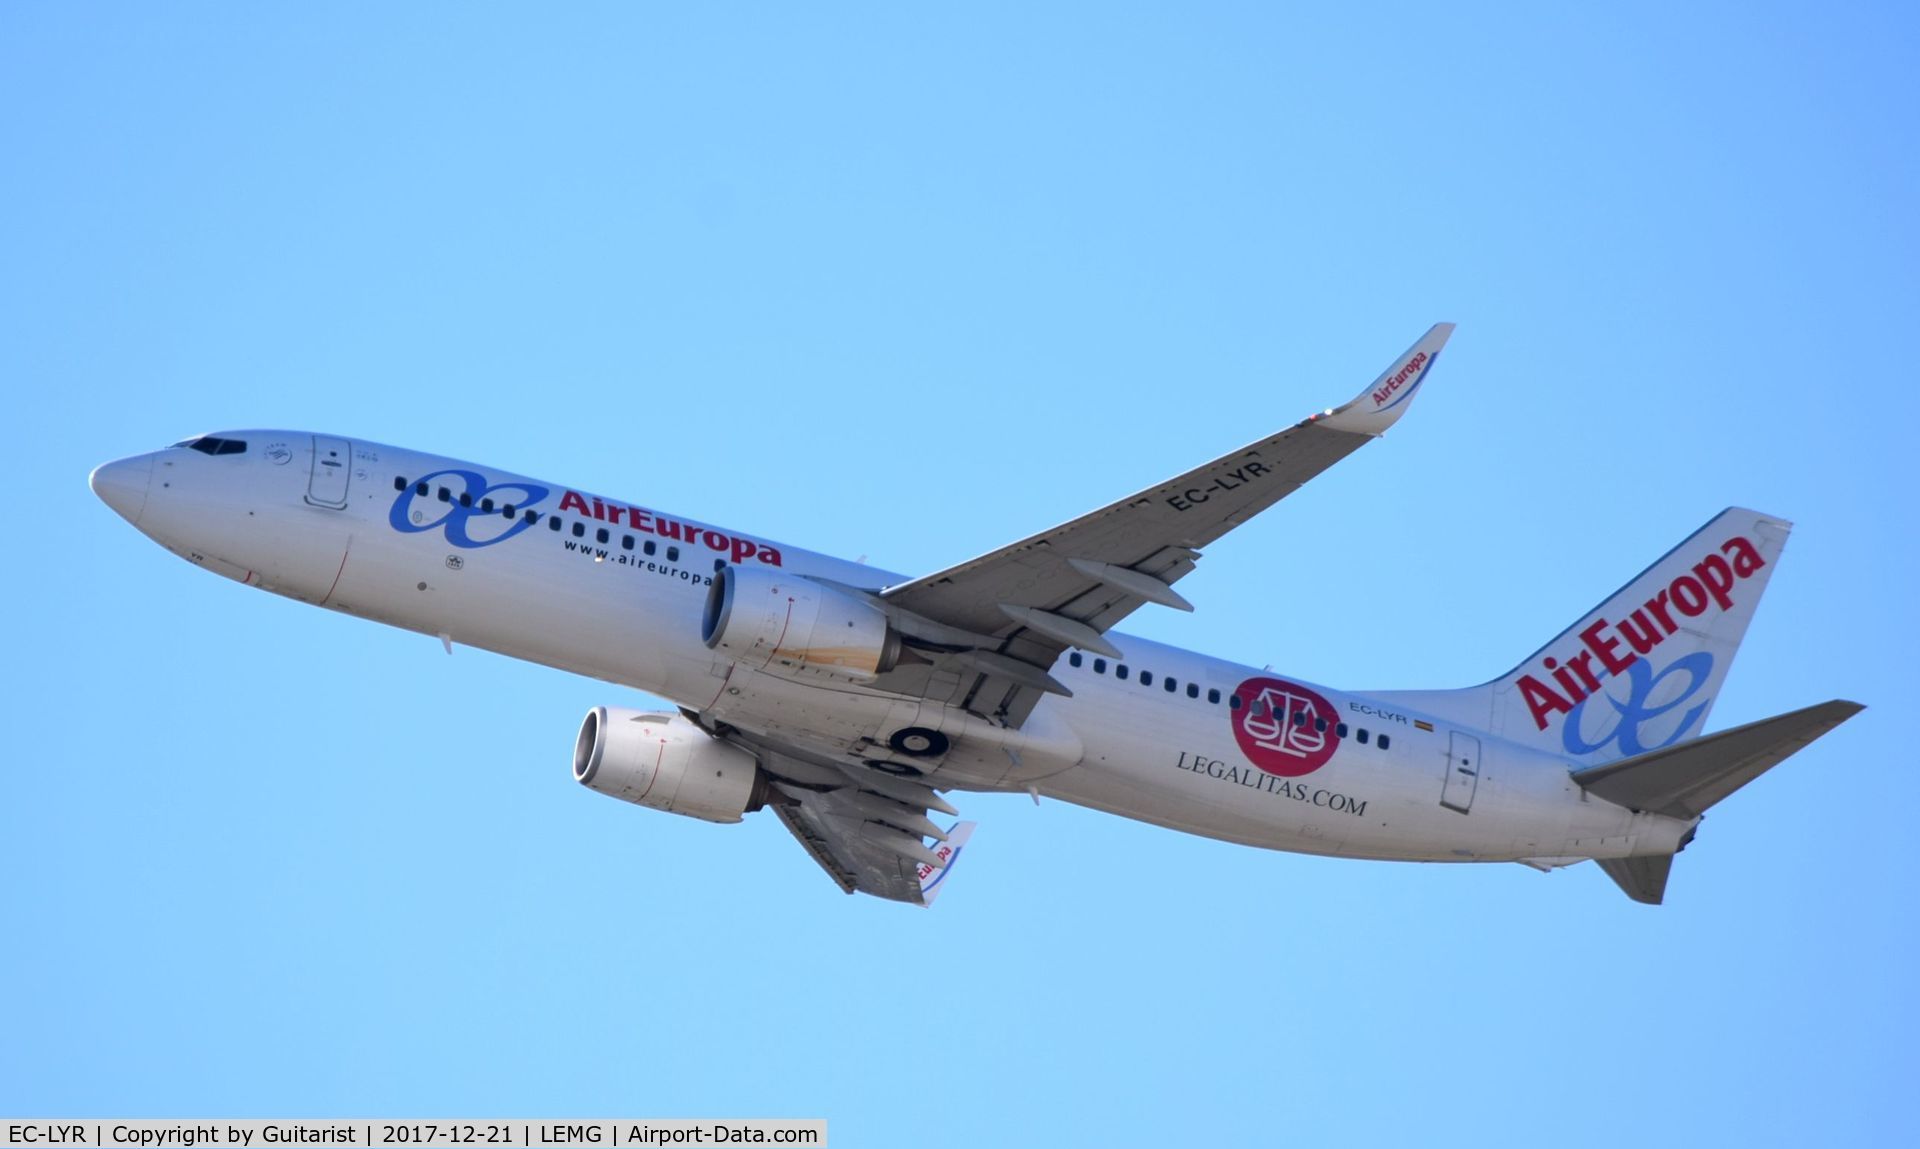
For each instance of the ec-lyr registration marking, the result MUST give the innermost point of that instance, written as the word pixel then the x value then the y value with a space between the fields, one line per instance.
pixel 1231 481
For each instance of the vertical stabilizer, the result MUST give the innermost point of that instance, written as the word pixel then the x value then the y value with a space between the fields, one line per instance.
pixel 1641 670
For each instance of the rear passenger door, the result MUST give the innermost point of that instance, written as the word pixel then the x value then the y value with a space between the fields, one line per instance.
pixel 1463 772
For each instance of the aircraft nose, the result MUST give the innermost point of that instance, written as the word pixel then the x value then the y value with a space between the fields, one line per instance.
pixel 122 485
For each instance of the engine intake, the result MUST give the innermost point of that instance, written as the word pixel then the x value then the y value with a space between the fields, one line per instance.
pixel 773 620
pixel 666 762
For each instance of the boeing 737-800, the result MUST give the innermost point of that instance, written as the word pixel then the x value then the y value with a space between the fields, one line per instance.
pixel 850 701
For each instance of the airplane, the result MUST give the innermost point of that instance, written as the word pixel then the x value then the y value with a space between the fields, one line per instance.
pixel 850 701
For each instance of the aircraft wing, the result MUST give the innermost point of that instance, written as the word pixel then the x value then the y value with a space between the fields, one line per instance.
pixel 1005 617
pixel 867 830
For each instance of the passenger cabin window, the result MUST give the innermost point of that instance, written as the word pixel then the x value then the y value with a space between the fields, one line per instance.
pixel 1099 666
pixel 486 506
pixel 1361 736
pixel 553 522
pixel 579 530
pixel 420 489
pixel 721 564
pixel 1385 742
pixel 1193 691
pixel 673 554
pixel 399 484
pixel 1341 729
pixel 1213 696
pixel 1146 678
pixel 649 548
pixel 1170 685
pixel 601 536
pixel 626 542
pixel 1073 659
pixel 1233 702
pixel 1120 671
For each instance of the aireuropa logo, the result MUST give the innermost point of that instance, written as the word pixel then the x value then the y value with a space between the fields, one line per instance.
pixel 1284 728
pixel 1654 714
pixel 1610 647
pixel 1404 381
pixel 473 514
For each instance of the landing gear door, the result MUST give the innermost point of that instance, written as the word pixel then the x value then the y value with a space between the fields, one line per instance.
pixel 1463 771
pixel 332 467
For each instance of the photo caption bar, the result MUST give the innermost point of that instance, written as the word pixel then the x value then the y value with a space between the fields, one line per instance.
pixel 622 1133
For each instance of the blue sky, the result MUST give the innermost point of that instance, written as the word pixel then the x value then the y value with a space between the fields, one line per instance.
pixel 911 284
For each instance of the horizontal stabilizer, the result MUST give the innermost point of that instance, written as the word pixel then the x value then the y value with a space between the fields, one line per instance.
pixel 1683 781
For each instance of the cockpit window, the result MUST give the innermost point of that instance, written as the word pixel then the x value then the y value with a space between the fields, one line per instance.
pixel 213 445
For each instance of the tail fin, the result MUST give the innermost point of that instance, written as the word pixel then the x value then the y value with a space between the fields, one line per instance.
pixel 1640 671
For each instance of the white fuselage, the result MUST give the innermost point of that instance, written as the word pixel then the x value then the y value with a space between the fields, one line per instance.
pixel 615 591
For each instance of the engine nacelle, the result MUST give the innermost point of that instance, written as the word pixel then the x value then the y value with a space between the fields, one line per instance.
pixel 666 762
pixel 773 620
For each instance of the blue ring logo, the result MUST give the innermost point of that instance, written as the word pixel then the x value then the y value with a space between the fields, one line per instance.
pixel 462 521
pixel 1642 684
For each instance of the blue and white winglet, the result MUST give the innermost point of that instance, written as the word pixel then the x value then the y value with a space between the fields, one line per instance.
pixel 948 851
pixel 1378 407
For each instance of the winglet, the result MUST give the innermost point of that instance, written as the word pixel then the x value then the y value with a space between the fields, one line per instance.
pixel 1380 405
pixel 949 850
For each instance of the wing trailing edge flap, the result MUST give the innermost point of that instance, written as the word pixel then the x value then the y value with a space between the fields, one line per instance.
pixel 905 791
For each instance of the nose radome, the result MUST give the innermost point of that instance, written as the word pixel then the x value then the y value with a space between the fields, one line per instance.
pixel 122 485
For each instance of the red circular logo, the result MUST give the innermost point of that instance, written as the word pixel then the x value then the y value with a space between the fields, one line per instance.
pixel 1283 727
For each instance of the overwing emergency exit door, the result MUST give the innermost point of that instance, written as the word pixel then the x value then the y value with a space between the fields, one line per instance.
pixel 332 464
pixel 1463 771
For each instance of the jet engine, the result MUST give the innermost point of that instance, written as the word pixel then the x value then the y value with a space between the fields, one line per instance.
pixel 772 620
pixel 666 762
